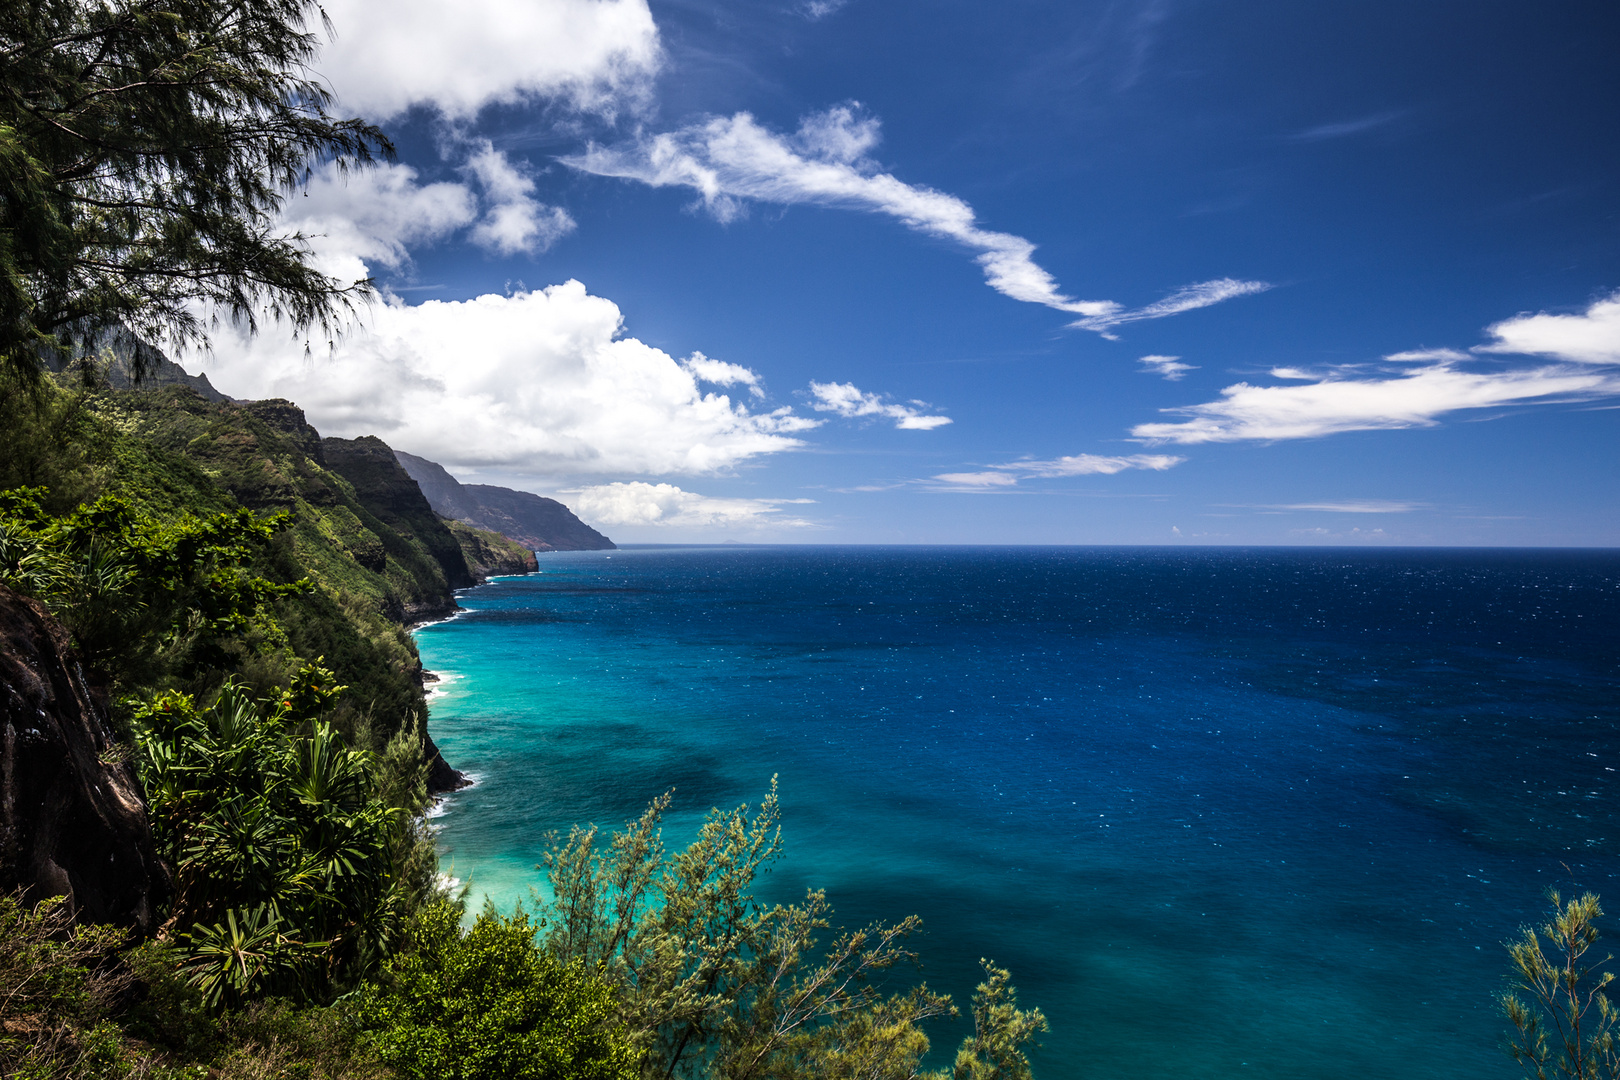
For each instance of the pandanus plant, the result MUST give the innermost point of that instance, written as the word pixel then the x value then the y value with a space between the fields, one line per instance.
pixel 280 845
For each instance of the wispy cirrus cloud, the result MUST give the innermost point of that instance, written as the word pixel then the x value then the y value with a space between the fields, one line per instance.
pixel 1169 367
pixel 731 160
pixel 1001 477
pixel 1414 388
pixel 1349 506
pixel 816 10
pixel 1344 128
pixel 1202 295
pixel 848 400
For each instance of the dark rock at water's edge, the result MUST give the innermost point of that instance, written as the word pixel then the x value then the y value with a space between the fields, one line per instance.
pixel 72 814
pixel 534 521
pixel 442 779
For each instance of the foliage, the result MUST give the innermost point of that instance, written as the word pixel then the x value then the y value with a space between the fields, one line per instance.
pixel 711 982
pixel 281 846
pixel 995 1051
pixel 127 585
pixel 57 980
pixel 488 1003
pixel 1566 998
pixel 145 150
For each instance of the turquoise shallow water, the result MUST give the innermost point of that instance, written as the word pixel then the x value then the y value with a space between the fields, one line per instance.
pixel 1263 813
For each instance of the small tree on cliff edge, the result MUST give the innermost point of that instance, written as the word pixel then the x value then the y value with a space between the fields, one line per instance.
pixel 145 149
pixel 1563 1024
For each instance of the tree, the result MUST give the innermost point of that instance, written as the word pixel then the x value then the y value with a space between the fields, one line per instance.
pixel 488 1003
pixel 712 983
pixel 1566 998
pixel 145 150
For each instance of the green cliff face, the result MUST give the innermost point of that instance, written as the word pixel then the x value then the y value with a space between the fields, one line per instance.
pixel 170 452
pixel 489 554
pixel 387 491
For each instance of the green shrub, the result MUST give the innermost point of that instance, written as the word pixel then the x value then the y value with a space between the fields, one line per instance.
pixel 488 1003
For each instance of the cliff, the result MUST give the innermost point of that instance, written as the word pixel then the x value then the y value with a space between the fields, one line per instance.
pixel 489 554
pixel 388 491
pixel 534 521
pixel 72 816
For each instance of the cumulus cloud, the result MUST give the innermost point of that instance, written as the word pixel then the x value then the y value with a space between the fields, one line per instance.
pixel 385 57
pixel 1006 476
pixel 535 384
pixel 730 160
pixel 515 221
pixel 362 218
pixel 1334 403
pixel 848 400
pixel 371 216
pixel 1592 337
pixel 720 373
pixel 666 506
pixel 1170 367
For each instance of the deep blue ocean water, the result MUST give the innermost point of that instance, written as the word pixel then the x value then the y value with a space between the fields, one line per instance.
pixel 1259 812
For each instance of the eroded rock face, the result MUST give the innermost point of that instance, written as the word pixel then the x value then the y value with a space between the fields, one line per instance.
pixel 72 814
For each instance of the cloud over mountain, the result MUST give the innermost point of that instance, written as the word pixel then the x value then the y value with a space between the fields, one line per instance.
pixel 535 384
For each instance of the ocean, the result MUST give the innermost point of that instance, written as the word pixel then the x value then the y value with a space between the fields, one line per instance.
pixel 1223 812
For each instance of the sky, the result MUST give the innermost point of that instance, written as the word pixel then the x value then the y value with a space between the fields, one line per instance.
pixel 1090 272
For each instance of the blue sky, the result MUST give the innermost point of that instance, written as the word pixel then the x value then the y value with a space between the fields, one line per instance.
pixel 723 271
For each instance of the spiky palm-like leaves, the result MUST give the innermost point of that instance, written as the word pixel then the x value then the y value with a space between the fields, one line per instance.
pixel 281 847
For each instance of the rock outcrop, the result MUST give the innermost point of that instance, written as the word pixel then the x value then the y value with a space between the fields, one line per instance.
pixel 72 814
pixel 491 554
pixel 390 493
pixel 538 523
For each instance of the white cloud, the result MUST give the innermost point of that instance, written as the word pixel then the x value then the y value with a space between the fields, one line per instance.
pixel 515 221
pixel 1004 476
pixel 848 400
pixel 1333 404
pixel 1352 506
pixel 1203 294
pixel 1170 367
pixel 1410 356
pixel 978 479
pixel 666 506
pixel 372 215
pixel 1589 338
pixel 535 384
pixel 720 373
pixel 729 160
pixel 388 55
pixel 819 9
pixel 1090 464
